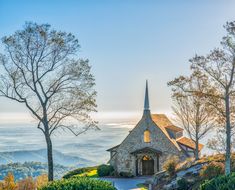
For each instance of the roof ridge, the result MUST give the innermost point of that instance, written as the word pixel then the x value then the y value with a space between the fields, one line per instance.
pixel 180 138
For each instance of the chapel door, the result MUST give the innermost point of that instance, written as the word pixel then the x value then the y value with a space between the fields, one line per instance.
pixel 147 166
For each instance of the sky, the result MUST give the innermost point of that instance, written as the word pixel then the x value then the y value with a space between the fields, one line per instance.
pixel 127 42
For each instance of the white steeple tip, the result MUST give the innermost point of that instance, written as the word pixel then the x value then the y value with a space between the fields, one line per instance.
pixel 146 99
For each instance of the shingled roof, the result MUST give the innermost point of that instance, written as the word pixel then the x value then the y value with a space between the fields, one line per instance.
pixel 162 121
pixel 189 143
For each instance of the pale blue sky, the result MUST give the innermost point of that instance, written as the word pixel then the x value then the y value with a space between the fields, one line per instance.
pixel 127 42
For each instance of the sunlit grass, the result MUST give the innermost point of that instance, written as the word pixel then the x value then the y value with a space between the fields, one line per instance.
pixel 142 186
pixel 92 173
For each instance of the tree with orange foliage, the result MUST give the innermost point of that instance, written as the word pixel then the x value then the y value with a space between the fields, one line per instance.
pixel 41 180
pixel 8 183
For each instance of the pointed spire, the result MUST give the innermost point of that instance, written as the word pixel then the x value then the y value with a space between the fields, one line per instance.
pixel 146 99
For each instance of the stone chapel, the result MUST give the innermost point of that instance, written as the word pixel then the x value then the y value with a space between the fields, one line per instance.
pixel 149 144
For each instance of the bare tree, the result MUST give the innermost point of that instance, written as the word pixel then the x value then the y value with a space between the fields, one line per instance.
pixel 40 70
pixel 218 142
pixel 219 67
pixel 191 108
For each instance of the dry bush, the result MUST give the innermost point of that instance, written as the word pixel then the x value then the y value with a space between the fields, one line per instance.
pixel 171 164
pixel 213 169
pixel 26 184
pixel 186 164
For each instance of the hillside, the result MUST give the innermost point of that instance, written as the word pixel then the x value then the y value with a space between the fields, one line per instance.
pixel 189 175
pixel 33 169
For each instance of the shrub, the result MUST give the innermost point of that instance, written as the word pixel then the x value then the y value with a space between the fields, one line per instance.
pixel 170 165
pixel 213 169
pixel 79 183
pixel 126 174
pixel 79 171
pixel 104 170
pixel 182 184
pixel 219 183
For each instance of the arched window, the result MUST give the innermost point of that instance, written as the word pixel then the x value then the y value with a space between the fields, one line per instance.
pixel 147 136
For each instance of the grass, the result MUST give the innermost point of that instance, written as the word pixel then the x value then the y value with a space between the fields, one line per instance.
pixel 91 173
pixel 142 186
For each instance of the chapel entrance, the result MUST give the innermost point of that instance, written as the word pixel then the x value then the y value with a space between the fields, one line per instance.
pixel 147 165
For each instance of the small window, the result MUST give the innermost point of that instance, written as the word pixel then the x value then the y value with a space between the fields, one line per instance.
pixel 147 136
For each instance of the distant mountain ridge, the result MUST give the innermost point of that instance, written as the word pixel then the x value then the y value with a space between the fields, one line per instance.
pixel 41 156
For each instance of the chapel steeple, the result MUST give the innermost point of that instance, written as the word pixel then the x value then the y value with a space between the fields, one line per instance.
pixel 146 99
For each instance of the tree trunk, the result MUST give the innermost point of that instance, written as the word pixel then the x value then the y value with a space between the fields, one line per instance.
pixel 49 157
pixel 228 137
pixel 197 150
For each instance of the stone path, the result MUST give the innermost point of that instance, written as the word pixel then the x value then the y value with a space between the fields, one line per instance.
pixel 126 183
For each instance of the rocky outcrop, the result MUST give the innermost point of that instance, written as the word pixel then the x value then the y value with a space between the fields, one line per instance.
pixel 163 181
